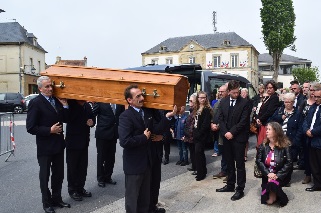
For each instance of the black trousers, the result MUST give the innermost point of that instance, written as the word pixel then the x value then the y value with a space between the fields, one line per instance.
pixel 315 163
pixel 137 192
pixel 234 155
pixel 77 164
pixel 191 147
pixel 200 159
pixel 156 171
pixel 56 164
pixel 106 150
pixel 167 149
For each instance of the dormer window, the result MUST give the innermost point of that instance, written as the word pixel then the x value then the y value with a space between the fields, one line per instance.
pixel 34 41
pixel 227 43
pixel 163 49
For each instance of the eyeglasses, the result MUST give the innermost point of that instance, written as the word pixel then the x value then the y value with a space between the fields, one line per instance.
pixel 317 96
pixel 201 97
pixel 312 90
pixel 288 102
pixel 269 87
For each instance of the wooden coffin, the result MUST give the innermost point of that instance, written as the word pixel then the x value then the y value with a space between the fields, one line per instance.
pixel 161 91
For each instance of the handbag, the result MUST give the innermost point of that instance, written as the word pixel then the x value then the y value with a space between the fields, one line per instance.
pixel 257 171
pixel 253 128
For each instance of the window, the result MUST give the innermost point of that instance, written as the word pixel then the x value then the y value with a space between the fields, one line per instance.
pixel 31 62
pixel 191 60
pixel 169 60
pixel 216 61
pixel 234 60
pixel 155 61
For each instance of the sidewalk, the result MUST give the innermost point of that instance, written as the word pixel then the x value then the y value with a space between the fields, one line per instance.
pixel 183 194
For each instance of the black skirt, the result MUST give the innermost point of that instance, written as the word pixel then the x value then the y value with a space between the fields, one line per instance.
pixel 276 187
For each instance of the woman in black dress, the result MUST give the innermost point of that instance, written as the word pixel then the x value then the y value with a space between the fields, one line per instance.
pixel 274 161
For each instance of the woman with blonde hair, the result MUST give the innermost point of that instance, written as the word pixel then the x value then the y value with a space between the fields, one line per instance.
pixel 202 132
pixel 274 161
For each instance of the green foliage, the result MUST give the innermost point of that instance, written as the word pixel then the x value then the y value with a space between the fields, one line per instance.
pixel 306 74
pixel 278 21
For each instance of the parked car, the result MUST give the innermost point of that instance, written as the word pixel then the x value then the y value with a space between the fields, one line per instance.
pixel 27 99
pixel 11 102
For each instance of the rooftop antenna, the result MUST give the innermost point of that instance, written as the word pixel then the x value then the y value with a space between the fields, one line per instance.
pixel 214 21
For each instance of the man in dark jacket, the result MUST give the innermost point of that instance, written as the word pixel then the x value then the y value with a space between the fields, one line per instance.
pixel 106 138
pixel 77 141
pixel 141 157
pixel 312 128
pixel 45 117
pixel 234 121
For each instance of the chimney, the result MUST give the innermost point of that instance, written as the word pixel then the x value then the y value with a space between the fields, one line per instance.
pixel 85 60
pixel 58 58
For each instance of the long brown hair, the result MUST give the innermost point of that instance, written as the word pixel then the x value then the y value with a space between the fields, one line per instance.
pixel 206 104
pixel 280 139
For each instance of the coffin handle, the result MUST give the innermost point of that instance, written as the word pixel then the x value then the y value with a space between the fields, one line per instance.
pixel 155 94
pixel 61 85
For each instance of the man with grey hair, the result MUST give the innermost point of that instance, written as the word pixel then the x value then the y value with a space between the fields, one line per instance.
pixel 45 117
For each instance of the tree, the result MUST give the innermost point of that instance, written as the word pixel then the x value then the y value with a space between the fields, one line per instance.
pixel 306 74
pixel 278 21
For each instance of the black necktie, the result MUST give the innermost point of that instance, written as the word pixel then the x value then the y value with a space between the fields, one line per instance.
pixel 232 103
pixel 141 113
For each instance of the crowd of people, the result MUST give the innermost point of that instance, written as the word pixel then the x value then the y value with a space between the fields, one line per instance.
pixel 288 137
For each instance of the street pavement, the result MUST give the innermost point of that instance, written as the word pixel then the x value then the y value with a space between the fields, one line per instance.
pixel 183 194
pixel 19 188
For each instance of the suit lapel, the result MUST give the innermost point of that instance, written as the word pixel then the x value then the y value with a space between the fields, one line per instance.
pixel 47 104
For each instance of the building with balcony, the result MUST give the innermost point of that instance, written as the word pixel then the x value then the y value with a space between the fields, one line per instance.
pixel 21 59
pixel 287 64
pixel 218 52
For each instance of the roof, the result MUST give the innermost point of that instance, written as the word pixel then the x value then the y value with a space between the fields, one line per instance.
pixel 13 32
pixel 72 62
pixel 267 58
pixel 207 41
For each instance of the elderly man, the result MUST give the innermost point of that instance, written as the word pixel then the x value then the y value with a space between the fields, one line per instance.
pixel 140 129
pixel 312 128
pixel 215 127
pixel 44 119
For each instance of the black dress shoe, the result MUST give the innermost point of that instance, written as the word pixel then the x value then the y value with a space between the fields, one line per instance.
pixel 110 181
pixel 166 161
pixel 200 178
pixel 238 195
pixel 49 209
pixel 84 193
pixel 226 188
pixel 158 210
pixel 194 173
pixel 101 184
pixel 61 204
pixel 312 189
pixel 76 196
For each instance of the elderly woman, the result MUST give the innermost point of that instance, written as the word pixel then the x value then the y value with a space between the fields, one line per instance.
pixel 275 163
pixel 202 132
pixel 267 109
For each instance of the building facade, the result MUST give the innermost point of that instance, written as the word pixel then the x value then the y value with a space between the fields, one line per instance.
pixel 218 52
pixel 21 59
pixel 287 64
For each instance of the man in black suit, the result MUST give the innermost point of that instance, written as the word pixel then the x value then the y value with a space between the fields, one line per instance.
pixel 296 89
pixel 78 126
pixel 234 120
pixel 45 117
pixel 106 138
pixel 137 127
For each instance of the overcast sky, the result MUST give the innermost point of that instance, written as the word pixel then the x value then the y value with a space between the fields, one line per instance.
pixel 113 34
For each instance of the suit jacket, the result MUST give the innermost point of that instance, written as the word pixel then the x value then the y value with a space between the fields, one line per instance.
pixel 40 117
pixel 240 125
pixel 139 152
pixel 268 108
pixel 316 131
pixel 77 130
pixel 107 121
